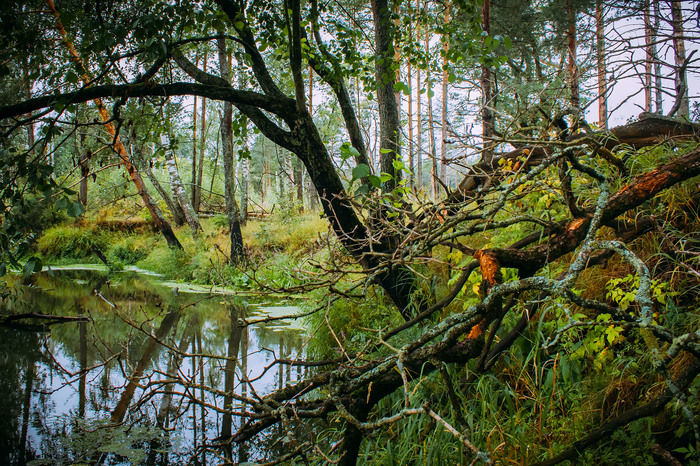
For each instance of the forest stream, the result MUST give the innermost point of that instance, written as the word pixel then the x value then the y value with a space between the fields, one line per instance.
pixel 122 368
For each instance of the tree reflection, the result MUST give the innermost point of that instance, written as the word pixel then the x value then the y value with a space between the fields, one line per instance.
pixel 152 378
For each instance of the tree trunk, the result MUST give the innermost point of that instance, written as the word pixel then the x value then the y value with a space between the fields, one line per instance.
pixel 244 173
pixel 234 221
pixel 298 183
pixel 600 58
pixel 679 48
pixel 174 206
pixel 572 66
pixel 431 122
pixel 194 139
pixel 181 194
pixel 161 224
pixel 84 162
pixel 648 62
pixel 487 116
pixel 431 143
pixel 197 183
pixel 389 122
pixel 445 98
pixel 419 123
pixel 657 64
pixel 411 159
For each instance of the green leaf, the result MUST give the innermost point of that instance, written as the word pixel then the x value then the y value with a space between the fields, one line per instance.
pixel 375 180
pixel 75 209
pixel 72 78
pixel 62 203
pixel 32 265
pixel 360 171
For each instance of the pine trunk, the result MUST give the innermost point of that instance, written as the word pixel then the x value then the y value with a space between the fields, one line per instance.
pixel 572 66
pixel 445 98
pixel 600 57
pixel 487 116
pixel 648 62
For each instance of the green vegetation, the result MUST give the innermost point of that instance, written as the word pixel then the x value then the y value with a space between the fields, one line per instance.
pixel 490 270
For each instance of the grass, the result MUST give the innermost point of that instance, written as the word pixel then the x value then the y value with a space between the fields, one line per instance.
pixel 274 247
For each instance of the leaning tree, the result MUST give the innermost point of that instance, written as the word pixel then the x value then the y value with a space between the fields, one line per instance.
pixel 524 227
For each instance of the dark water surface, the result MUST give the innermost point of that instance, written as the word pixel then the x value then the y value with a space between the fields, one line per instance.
pixel 143 379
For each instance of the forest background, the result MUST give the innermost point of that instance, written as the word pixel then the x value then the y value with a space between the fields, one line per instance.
pixel 512 278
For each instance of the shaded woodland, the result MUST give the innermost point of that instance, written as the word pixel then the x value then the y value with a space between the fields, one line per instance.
pixel 511 189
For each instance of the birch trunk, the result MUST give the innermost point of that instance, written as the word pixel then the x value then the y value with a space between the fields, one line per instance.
pixel 487 115
pixel 181 194
pixel 679 48
pixel 445 98
pixel 600 57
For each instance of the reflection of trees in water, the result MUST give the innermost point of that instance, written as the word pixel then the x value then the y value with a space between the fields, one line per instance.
pixel 176 363
pixel 20 351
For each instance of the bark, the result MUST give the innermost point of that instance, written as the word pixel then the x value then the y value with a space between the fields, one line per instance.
pixel 244 171
pixel 657 63
pixel 445 98
pixel 600 58
pixel 648 62
pixel 226 128
pixel 174 207
pixel 84 163
pixel 194 139
pixel 643 133
pixel 411 158
pixel 389 122
pixel 572 66
pixel 197 184
pixel 679 48
pixel 488 124
pixel 637 192
pixel 181 195
pixel 161 224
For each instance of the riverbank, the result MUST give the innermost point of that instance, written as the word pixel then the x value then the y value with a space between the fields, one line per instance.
pixel 274 247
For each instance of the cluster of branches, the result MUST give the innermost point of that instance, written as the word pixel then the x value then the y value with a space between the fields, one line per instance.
pixel 391 235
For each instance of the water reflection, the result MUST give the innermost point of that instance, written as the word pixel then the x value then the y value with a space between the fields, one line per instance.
pixel 151 376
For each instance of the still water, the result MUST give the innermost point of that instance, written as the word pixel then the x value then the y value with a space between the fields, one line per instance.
pixel 136 371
